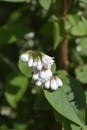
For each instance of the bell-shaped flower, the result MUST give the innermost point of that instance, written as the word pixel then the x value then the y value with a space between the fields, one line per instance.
pixel 45 74
pixel 24 57
pixel 59 81
pixel 47 61
pixel 35 75
pixel 53 84
pixel 37 63
pixel 47 84
pixel 30 61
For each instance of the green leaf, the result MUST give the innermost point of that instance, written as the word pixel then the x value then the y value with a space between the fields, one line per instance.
pixel 81 74
pixel 84 1
pixel 23 66
pixel 67 125
pixel 45 3
pixel 83 45
pixel 56 32
pixel 69 100
pixel 15 89
pixel 73 19
pixel 79 30
pixel 14 0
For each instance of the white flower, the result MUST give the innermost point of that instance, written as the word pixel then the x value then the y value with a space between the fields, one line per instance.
pixel 55 83
pixel 29 35
pixel 45 74
pixel 59 81
pixel 79 48
pixel 47 84
pixel 24 56
pixel 35 75
pixel 37 63
pixel 47 61
pixel 30 61
pixel 38 83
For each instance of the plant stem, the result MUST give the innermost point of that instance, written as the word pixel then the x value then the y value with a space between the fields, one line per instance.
pixel 62 50
pixel 8 62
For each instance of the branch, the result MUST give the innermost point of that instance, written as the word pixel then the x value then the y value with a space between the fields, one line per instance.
pixel 62 50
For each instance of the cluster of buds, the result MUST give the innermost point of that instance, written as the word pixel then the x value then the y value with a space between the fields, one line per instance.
pixel 41 65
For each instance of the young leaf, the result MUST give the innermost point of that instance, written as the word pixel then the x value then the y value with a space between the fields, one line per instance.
pixel 69 100
pixel 45 3
pixel 15 89
pixel 79 30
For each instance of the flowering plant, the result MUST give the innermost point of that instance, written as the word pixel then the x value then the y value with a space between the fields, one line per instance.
pixel 43 62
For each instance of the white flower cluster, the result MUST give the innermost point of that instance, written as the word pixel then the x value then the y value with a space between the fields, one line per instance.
pixel 41 65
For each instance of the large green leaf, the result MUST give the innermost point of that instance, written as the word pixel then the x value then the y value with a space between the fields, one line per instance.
pixel 14 0
pixel 81 73
pixel 69 100
pixel 45 3
pixel 23 66
pixel 15 89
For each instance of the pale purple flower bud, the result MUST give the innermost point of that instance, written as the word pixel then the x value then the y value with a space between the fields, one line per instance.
pixel 35 75
pixel 47 84
pixel 24 56
pixel 38 83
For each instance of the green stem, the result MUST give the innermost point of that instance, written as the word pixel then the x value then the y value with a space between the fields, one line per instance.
pixel 8 62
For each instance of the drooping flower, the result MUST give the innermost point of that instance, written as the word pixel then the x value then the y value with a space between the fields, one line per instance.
pixel 35 75
pixel 30 61
pixel 59 81
pixel 24 56
pixel 37 63
pixel 47 84
pixel 47 61
pixel 55 82
pixel 45 74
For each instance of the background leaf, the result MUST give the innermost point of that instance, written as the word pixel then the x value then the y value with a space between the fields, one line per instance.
pixel 15 89
pixel 45 3
pixel 81 74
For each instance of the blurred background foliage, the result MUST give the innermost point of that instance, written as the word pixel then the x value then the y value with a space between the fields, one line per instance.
pixel 30 24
